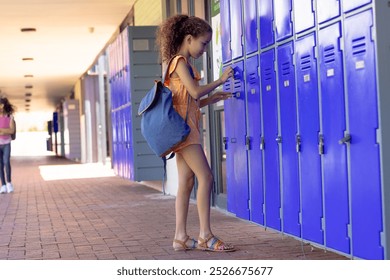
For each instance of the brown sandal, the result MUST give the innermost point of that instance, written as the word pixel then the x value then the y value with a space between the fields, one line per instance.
pixel 183 244
pixel 216 244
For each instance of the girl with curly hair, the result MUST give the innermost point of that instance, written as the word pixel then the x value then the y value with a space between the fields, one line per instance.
pixel 180 38
pixel 7 128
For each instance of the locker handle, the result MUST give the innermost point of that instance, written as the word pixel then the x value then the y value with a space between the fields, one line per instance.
pixel 248 143
pixel 321 144
pixel 346 139
pixel 225 141
pixel 262 143
pixel 298 143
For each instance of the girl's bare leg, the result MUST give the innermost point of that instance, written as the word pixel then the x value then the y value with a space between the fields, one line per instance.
pixel 193 158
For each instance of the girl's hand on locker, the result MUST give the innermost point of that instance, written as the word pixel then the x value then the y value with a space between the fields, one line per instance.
pixel 220 95
pixel 228 73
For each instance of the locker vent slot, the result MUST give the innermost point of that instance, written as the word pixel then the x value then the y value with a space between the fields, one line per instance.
pixel 286 68
pixel 359 46
pixel 237 85
pixel 252 78
pixel 306 62
pixel 227 86
pixel 329 54
pixel 268 74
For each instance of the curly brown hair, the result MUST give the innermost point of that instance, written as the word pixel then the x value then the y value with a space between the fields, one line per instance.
pixel 8 109
pixel 171 33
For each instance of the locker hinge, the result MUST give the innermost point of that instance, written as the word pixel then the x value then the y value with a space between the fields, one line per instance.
pixel 300 218
pixel 323 223
pixel 346 139
pixel 248 143
pixel 262 143
pixel 320 144
pixel 298 143
pixel 278 139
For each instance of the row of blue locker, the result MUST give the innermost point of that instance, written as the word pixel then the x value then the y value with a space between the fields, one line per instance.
pixel 301 139
pixel 119 78
pixel 270 21
pixel 122 150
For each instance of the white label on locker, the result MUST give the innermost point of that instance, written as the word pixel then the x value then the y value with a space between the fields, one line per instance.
pixel 330 72
pixel 359 64
pixel 268 88
pixel 286 83
pixel 306 78
pixel 253 91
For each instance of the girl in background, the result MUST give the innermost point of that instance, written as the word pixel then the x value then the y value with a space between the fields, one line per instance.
pixel 180 38
pixel 7 127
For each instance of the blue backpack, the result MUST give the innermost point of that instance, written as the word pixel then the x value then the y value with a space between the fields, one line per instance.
pixel 162 127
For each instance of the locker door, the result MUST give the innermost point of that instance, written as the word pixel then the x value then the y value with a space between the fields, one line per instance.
pixel 266 15
pixel 303 15
pixel 271 149
pixel 225 31
pixel 351 5
pixel 335 156
pixel 327 9
pixel 283 20
pixel 363 122
pixel 250 18
pixel 289 131
pixel 254 136
pixel 236 36
pixel 309 127
pixel 236 154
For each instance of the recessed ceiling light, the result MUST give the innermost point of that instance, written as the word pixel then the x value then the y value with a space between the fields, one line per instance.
pixel 28 29
pixel 28 94
pixel 28 76
pixel 28 100
pixel 27 58
pixel 28 86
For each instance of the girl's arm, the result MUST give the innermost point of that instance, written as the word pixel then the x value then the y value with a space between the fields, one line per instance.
pixel 218 96
pixel 197 91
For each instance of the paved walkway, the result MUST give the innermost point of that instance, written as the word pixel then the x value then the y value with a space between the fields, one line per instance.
pixel 56 214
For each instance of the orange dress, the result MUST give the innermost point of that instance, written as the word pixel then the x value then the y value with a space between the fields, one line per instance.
pixel 180 99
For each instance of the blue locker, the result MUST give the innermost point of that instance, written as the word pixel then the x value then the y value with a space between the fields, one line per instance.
pixel 333 123
pixel 349 5
pixel 225 30
pixel 289 131
pixel 365 176
pixel 309 127
pixel 236 153
pixel 283 19
pixel 250 19
pixel 327 9
pixel 236 27
pixel 303 15
pixel 266 15
pixel 254 138
pixel 271 149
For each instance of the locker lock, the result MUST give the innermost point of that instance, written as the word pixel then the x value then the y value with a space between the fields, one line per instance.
pixel 262 143
pixel 346 139
pixel 278 139
pixel 248 143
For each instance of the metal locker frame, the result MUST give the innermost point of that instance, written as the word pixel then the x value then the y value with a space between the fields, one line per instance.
pixel 254 138
pixel 352 5
pixel 303 15
pixel 290 142
pixel 334 159
pixel 283 19
pixel 251 26
pixel 266 15
pixel 236 149
pixel 309 128
pixel 271 140
pixel 366 200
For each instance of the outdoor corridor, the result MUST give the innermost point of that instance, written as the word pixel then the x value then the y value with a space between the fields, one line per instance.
pixel 64 210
